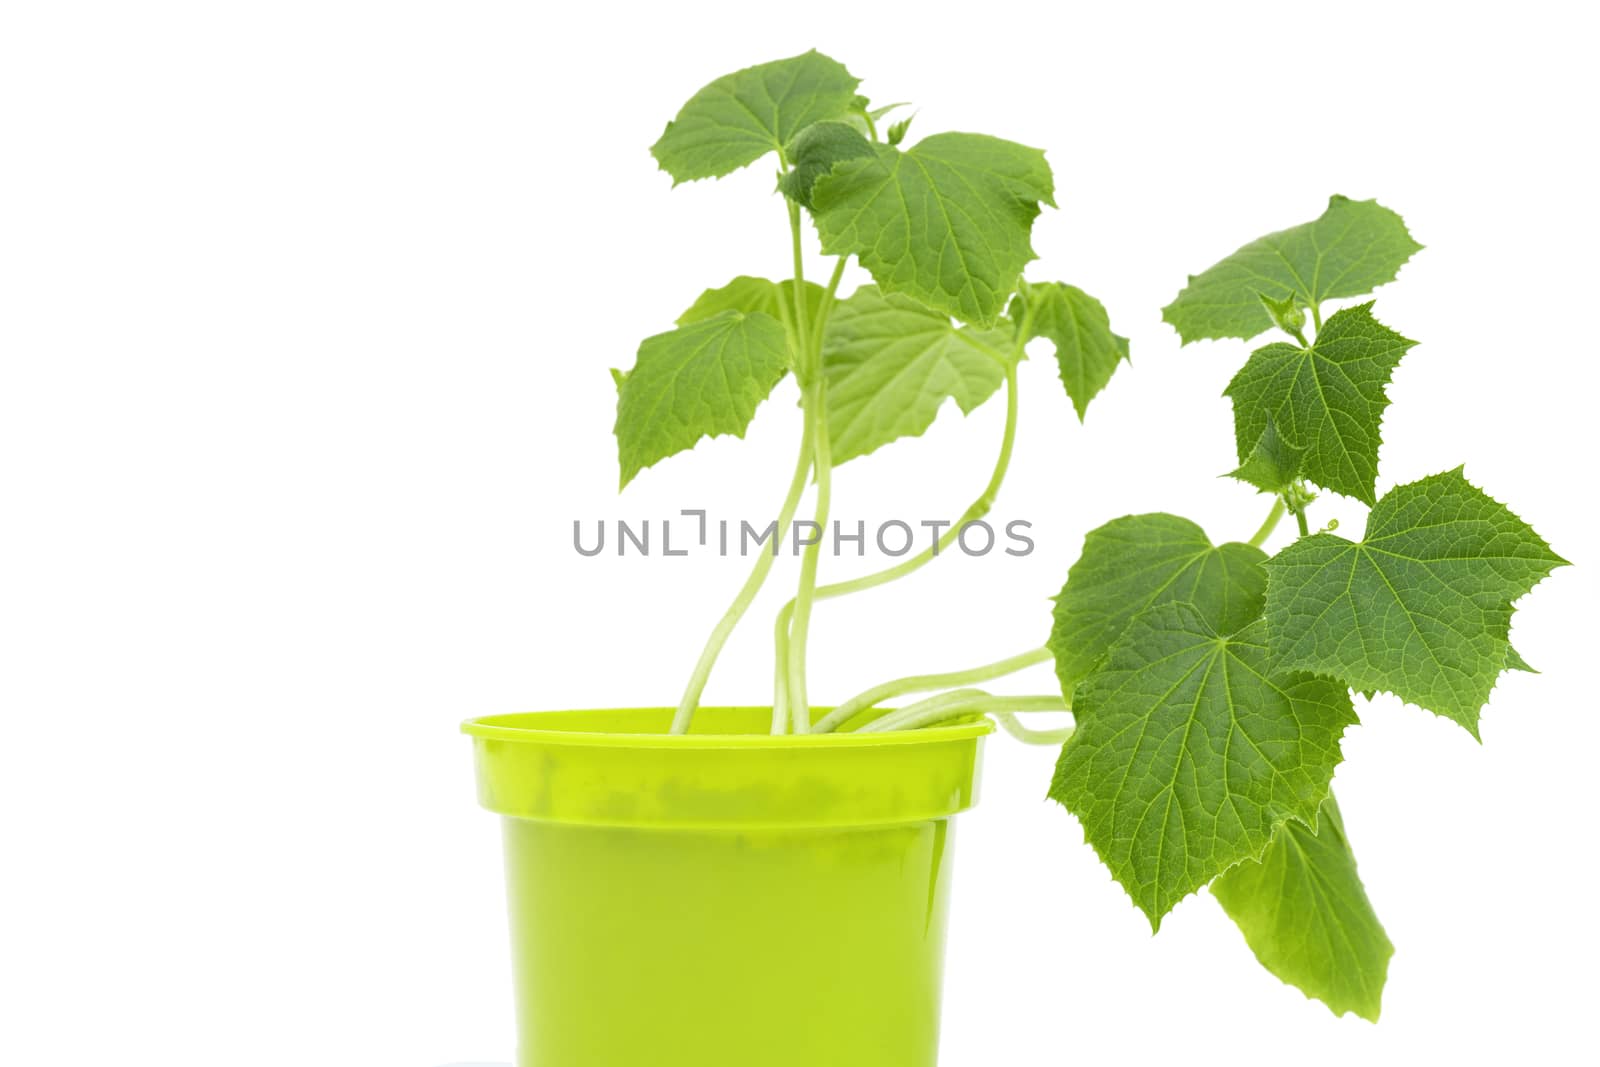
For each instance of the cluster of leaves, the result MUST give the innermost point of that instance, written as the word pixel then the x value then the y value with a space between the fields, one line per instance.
pixel 942 225
pixel 1211 684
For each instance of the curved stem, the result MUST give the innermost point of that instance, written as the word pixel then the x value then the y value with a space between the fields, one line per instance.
pixel 923 683
pixel 1261 535
pixel 931 706
pixel 1029 736
pixel 747 593
pixel 961 703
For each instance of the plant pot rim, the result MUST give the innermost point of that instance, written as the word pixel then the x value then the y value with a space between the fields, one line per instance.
pixel 714 727
pixel 621 767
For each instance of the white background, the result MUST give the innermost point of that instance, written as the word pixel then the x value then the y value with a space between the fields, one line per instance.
pixel 306 311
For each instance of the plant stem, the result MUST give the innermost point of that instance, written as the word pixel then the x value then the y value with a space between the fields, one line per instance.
pixel 752 586
pixel 781 628
pixel 802 327
pixel 822 461
pixel 931 706
pixel 923 683
pixel 780 675
pixel 828 294
pixel 1261 535
pixel 960 703
pixel 1029 736
pixel 1300 519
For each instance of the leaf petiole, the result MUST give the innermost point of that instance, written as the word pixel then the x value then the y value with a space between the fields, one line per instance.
pixel 1028 735
pixel 957 704
pixel 802 327
pixel 923 683
pixel 826 307
pixel 1271 523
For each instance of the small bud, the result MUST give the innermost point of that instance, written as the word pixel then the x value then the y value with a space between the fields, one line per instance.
pixel 1286 313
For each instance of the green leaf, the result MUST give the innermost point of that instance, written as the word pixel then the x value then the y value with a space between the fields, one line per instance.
pixel 898 130
pixel 1139 562
pixel 1421 607
pixel 1356 246
pixel 1305 914
pixel 1190 751
pixel 1273 464
pixel 1087 352
pixel 747 294
pixel 891 363
pixel 1327 399
pixel 946 222
pixel 815 151
pixel 699 380
pixel 741 117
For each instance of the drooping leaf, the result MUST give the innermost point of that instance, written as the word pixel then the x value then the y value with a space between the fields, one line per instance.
pixel 1190 752
pixel 741 117
pixel 946 222
pixel 746 294
pixel 1139 562
pixel 699 380
pixel 891 363
pixel 1087 352
pixel 1356 246
pixel 1305 914
pixel 1327 399
pixel 1273 464
pixel 1421 607
pixel 815 151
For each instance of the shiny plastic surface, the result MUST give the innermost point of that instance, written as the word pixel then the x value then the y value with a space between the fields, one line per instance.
pixel 726 899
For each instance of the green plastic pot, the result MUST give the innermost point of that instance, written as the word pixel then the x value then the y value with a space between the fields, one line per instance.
pixel 726 898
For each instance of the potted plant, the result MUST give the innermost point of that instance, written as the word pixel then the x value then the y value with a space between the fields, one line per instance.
pixel 724 886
